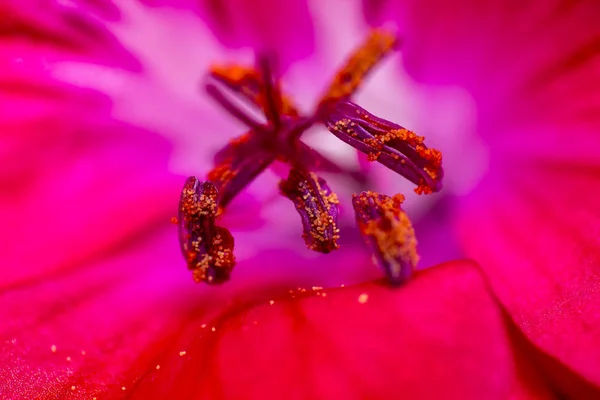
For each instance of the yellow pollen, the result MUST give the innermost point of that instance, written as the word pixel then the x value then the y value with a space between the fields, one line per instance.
pixel 182 353
pixel 392 231
pixel 53 348
pixel 359 64
pixel 315 203
pixel 362 299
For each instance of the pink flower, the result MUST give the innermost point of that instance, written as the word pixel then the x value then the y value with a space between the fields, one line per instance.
pixel 101 118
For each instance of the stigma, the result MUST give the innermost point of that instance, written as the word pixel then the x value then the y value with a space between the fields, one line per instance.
pixel 208 248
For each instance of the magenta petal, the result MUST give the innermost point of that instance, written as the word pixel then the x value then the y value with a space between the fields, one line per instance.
pixel 37 34
pixel 533 69
pixel 284 27
pixel 537 241
pixel 74 181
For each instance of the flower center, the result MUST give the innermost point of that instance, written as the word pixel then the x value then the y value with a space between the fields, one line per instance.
pixel 390 236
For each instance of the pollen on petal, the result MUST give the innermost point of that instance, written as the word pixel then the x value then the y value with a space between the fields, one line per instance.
pixel 317 206
pixel 206 247
pixel 351 75
pixel 390 144
pixel 388 232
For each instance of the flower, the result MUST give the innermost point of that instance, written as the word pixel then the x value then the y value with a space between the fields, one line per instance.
pixel 97 303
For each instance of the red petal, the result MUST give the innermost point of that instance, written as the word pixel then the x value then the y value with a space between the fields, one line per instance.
pixel 537 241
pixel 81 328
pixel 440 336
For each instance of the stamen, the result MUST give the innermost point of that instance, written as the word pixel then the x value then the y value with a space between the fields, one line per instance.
pixel 388 232
pixel 249 82
pixel 232 109
pixel 270 95
pixel 206 247
pixel 237 165
pixel 390 144
pixel 317 206
pixel 359 64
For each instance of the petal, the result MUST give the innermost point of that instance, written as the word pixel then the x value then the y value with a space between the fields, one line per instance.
pixel 285 27
pixel 75 182
pixel 532 69
pixel 356 342
pixel 38 34
pixel 268 25
pixel 71 334
pixel 128 325
pixel 537 241
pixel 81 191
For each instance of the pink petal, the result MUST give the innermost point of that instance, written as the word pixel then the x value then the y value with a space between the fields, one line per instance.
pixel 285 27
pixel 440 335
pixel 533 69
pixel 267 25
pixel 75 182
pixel 82 199
pixel 537 241
pixel 38 33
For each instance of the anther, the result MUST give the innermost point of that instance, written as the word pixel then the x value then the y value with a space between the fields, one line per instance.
pixel 317 206
pixel 351 75
pixel 206 247
pixel 388 143
pixel 388 232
